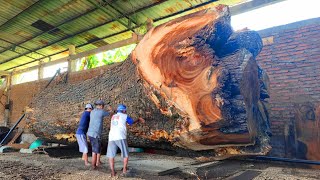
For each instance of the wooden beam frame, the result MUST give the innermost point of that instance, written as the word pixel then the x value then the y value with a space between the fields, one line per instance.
pixel 4 73
pixel 134 39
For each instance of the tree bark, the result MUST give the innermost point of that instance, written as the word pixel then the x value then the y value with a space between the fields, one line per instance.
pixel 194 80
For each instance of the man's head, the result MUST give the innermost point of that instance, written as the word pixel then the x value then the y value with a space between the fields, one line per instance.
pixel 122 108
pixel 88 107
pixel 99 104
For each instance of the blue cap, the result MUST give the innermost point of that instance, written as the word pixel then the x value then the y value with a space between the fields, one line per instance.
pixel 121 107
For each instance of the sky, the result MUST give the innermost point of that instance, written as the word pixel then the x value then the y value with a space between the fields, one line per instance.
pixel 281 13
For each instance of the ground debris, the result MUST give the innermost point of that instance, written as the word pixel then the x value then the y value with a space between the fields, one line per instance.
pixel 18 170
pixel 16 166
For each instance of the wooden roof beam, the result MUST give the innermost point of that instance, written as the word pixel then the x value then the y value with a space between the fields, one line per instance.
pixel 4 73
pixel 134 39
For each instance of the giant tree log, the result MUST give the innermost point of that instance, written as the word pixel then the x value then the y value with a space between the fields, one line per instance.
pixel 194 80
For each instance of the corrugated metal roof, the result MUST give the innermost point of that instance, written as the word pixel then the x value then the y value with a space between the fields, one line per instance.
pixel 34 29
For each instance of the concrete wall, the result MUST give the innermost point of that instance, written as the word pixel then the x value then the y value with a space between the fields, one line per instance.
pixel 291 57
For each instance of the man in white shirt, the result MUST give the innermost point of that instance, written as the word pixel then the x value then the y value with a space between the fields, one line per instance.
pixel 118 137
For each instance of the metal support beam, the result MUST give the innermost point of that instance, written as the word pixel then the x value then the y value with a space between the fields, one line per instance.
pixel 185 10
pixel 233 9
pixel 122 43
pixel 119 11
pixel 73 35
pixel 25 10
pixel 116 9
pixel 108 13
pixel 56 27
pixel 63 51
pixel 12 50
pixel 16 45
pixel 158 19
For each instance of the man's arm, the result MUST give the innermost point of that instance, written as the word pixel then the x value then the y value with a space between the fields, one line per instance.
pixel 131 121
pixel 110 112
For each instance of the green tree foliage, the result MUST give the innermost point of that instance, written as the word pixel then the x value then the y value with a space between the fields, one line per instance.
pixel 107 58
pixel 90 62
pixel 1 81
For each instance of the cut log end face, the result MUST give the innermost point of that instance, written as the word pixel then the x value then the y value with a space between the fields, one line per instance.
pixel 213 90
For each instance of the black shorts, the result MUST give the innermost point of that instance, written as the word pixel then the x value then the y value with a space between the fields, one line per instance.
pixel 96 144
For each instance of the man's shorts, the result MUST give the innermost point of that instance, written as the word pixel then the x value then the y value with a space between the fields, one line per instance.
pixel 82 142
pixel 96 144
pixel 113 147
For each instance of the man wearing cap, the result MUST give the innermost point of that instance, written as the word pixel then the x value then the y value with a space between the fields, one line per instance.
pixel 82 131
pixel 118 137
pixel 95 131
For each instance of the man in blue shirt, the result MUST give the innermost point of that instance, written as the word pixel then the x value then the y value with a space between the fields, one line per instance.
pixel 118 137
pixel 81 133
pixel 95 131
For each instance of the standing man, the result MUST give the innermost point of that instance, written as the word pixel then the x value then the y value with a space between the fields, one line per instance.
pixel 118 137
pixel 81 133
pixel 95 131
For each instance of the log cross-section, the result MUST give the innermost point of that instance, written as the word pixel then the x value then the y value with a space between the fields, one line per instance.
pixel 194 80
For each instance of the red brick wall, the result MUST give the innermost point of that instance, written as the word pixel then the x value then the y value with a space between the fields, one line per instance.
pixel 292 62
pixel 87 74
pixel 21 94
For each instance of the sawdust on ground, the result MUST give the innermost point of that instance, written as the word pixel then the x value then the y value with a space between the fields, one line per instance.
pixel 147 166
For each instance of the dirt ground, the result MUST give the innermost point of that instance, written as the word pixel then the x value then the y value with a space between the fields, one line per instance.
pixel 67 165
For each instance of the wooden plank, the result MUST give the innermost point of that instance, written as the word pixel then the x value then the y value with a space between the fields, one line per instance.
pixel 4 73
pixel 20 146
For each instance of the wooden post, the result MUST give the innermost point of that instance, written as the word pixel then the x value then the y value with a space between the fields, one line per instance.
pixel 71 64
pixel 149 24
pixel 40 73
pixel 72 50
pixel 40 70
